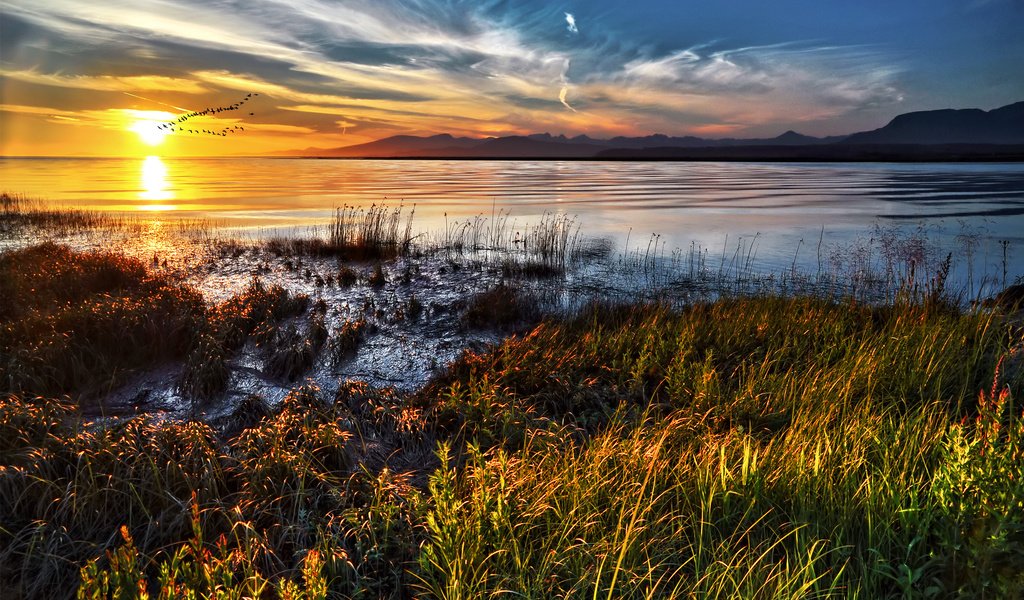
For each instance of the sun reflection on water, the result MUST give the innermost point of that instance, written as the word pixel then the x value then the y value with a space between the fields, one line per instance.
pixel 155 187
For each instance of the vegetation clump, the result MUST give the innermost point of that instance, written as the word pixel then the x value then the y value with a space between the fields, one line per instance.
pixel 79 322
pixel 346 339
pixel 374 233
pixel 502 307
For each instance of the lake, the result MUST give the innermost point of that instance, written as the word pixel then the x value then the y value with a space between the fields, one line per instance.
pixel 782 214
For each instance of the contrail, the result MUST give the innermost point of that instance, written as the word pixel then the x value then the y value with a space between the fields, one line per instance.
pixel 156 101
pixel 561 97
pixel 562 93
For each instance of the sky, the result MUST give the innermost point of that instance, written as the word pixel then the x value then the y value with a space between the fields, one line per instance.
pixel 98 78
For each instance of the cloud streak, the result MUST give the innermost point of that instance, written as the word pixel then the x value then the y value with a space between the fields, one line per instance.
pixel 571 23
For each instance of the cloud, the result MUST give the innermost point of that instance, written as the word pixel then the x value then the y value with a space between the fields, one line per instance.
pixel 786 82
pixel 561 97
pixel 108 83
pixel 571 23
pixel 423 66
pixel 562 93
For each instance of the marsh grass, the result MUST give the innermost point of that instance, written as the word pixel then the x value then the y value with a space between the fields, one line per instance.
pixel 550 246
pixel 346 339
pixel 73 322
pixel 20 215
pixel 168 508
pixel 504 307
pixel 79 323
pixel 24 218
pixel 754 448
pixel 373 233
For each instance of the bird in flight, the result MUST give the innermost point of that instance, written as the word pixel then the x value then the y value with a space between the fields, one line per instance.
pixel 177 125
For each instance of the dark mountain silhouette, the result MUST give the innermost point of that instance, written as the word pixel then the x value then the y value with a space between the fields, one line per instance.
pixel 968 126
pixel 968 134
pixel 828 153
pixel 533 147
pixel 538 145
pixel 394 146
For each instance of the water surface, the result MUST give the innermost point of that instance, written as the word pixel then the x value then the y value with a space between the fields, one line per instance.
pixel 784 213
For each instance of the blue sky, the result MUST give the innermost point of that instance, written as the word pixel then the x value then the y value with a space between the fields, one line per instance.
pixel 334 73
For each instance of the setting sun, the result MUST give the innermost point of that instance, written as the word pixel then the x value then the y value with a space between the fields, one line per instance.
pixel 149 132
pixel 147 125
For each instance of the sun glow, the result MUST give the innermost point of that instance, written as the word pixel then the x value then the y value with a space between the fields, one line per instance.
pixel 155 185
pixel 149 132
pixel 147 125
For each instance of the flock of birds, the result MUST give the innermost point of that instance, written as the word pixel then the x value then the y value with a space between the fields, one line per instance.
pixel 178 125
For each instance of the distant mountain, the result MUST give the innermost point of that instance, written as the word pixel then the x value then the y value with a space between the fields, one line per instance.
pixel 969 134
pixel 538 145
pixel 394 146
pixel 837 152
pixel 535 147
pixel 969 126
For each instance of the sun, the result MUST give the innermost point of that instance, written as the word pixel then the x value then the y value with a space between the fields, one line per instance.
pixel 146 124
pixel 149 132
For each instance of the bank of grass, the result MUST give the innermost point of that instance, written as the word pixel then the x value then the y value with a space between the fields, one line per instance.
pixel 74 322
pixel 79 323
pixel 761 447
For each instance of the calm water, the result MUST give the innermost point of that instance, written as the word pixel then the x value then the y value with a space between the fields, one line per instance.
pixel 782 209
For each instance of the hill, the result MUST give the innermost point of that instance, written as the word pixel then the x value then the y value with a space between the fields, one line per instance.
pixel 935 135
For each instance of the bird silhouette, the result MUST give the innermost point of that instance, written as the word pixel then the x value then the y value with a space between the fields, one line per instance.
pixel 212 110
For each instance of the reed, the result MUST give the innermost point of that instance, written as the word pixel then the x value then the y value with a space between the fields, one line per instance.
pixel 754 448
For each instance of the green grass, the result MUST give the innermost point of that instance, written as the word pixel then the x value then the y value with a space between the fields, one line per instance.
pixel 757 448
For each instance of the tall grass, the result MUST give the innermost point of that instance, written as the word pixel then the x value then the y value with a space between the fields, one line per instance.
pixel 73 322
pixel 354 233
pixel 550 245
pixel 181 511
pixel 27 218
pixel 760 448
pixel 79 323
pixel 750 447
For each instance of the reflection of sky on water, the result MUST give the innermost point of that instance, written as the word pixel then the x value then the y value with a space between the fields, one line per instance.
pixel 707 205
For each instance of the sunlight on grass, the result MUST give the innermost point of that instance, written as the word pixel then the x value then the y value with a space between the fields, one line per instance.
pixel 758 447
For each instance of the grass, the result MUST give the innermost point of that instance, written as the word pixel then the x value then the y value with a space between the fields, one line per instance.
pixel 373 233
pixel 756 448
pixel 20 215
pixel 79 323
pixel 24 218
pixel 74 322
pixel 503 307
pixel 753 447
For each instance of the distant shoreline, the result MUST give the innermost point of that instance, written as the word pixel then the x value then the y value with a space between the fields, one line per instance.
pixel 838 153
pixel 953 153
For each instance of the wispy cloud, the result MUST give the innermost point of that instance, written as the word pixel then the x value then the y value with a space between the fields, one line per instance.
pixel 571 23
pixel 564 91
pixel 784 82
pixel 108 83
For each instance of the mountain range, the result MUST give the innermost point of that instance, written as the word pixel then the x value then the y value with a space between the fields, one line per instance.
pixel 968 134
